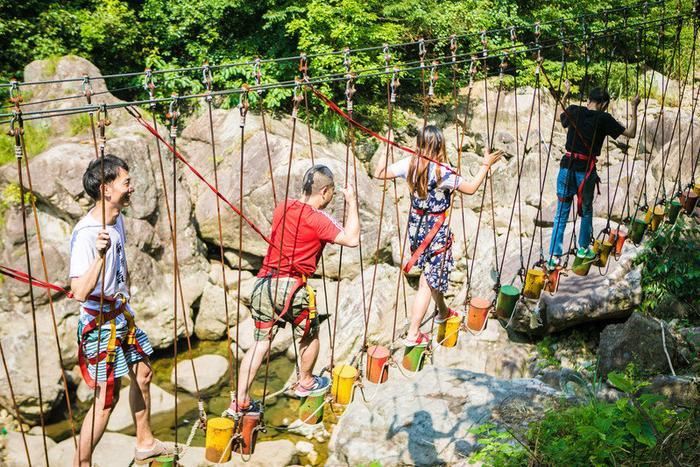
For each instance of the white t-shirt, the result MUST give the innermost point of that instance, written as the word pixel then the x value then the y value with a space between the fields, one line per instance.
pixel 83 253
pixel 448 181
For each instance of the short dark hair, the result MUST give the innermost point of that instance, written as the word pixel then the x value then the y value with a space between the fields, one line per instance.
pixel 599 95
pixel 92 178
pixel 317 177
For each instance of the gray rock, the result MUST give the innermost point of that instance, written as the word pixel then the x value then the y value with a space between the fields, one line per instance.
pixel 209 369
pixel 638 341
pixel 277 453
pixel 424 420
pixel 161 402
pixel 211 318
pixel 114 449
pixel 681 390
pixel 15 454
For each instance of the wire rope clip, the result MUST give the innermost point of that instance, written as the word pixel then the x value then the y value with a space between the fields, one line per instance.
pixel 395 83
pixel 207 80
pixel 87 88
pixel 173 114
pixel 103 122
pixel 257 74
pixel 304 66
pixel 422 52
pixel 17 133
pixel 243 104
pixel 15 94
pixel 347 61
pixel 434 75
pixel 349 90
pixel 453 48
pixel 297 97
pixel 387 57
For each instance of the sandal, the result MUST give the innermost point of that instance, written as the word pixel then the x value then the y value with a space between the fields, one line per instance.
pixel 235 409
pixel 450 314
pixel 320 382
pixel 422 337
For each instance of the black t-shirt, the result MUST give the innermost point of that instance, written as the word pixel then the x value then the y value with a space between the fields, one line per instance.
pixel 585 125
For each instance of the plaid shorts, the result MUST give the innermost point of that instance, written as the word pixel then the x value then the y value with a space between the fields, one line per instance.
pixel 263 310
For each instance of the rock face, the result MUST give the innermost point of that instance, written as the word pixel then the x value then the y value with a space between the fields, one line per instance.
pixel 15 454
pixel 424 421
pixel 210 369
pixel 639 341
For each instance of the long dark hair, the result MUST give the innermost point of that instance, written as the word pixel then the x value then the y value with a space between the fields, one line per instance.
pixel 430 143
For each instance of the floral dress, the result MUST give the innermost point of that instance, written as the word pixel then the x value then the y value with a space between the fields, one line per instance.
pixel 436 260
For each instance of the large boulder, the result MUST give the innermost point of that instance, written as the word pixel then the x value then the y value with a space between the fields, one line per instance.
pixel 257 188
pixel 208 369
pixel 211 318
pixel 16 456
pixel 641 340
pixel 425 420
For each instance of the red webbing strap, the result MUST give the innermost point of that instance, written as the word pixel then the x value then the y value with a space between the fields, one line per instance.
pixel 235 209
pixel 425 243
pixel 24 277
pixel 335 108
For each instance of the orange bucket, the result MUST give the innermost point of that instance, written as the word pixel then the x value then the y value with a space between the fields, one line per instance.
pixel 249 432
pixel 377 370
pixel 552 283
pixel 617 238
pixel 478 314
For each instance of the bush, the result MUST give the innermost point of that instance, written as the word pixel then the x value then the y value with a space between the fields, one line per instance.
pixel 670 264
pixel 634 430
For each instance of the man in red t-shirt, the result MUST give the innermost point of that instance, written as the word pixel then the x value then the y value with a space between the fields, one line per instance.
pixel 300 230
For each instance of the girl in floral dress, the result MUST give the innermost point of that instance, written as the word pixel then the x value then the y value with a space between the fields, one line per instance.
pixel 431 182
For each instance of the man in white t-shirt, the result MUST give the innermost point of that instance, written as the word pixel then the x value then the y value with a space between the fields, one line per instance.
pixel 123 348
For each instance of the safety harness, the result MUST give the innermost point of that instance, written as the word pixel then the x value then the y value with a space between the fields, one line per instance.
pixel 117 307
pixel 441 217
pixel 591 163
pixel 307 315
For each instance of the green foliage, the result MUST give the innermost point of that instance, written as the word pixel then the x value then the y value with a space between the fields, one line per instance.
pixel 79 123
pixel 10 197
pixel 628 431
pixel 545 349
pixel 670 264
pixel 36 135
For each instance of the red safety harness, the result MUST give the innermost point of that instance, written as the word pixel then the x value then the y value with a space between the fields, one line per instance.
pixel 579 191
pixel 117 307
pixel 442 216
pixel 306 316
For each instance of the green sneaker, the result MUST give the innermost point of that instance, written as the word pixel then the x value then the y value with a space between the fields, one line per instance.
pixel 583 252
pixel 553 263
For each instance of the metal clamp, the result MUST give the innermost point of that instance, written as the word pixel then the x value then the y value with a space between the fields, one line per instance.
pixel 297 97
pixel 387 57
pixel 304 66
pixel 17 133
pixel 173 114
pixel 207 80
pixel 453 48
pixel 349 90
pixel 422 52
pixel 87 88
pixel 243 104
pixel 394 84
pixel 257 74
pixel 433 78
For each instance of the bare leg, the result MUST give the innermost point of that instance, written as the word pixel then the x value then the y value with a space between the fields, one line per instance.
pixel 249 367
pixel 439 300
pixel 140 402
pixel 88 432
pixel 308 352
pixel 421 302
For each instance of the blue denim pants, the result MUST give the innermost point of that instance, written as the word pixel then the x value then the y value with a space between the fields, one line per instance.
pixel 568 182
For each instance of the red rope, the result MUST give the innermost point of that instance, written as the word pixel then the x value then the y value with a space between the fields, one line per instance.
pixel 24 277
pixel 335 108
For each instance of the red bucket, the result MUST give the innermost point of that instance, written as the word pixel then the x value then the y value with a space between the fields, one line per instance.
pixel 553 276
pixel 377 369
pixel 618 238
pixel 478 314
pixel 249 433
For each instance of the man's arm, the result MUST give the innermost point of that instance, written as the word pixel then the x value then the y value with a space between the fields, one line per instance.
pixel 83 285
pixel 350 236
pixel 631 130
pixel 561 109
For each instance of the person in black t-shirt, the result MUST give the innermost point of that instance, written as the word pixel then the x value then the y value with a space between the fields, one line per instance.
pixel 587 127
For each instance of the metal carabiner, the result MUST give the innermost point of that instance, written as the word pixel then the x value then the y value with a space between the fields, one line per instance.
pixel 421 52
pixel 453 47
pixel 395 83
pixel 433 78
pixel 207 78
pixel 349 90
pixel 243 104
pixel 387 57
pixel 257 74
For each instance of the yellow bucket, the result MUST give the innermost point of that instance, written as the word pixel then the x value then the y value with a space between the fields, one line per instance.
pixel 344 377
pixel 657 218
pixel 696 189
pixel 534 282
pixel 649 214
pixel 218 440
pixel 449 331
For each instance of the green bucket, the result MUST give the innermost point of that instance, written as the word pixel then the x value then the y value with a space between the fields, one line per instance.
pixel 163 461
pixel 507 299
pixel 413 356
pixel 674 208
pixel 309 410
pixel 637 229
pixel 582 263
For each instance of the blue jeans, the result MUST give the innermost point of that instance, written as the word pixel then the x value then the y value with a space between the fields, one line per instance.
pixel 568 182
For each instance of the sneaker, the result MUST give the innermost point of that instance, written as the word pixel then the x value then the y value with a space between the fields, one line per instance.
pixel 422 337
pixel 235 409
pixel 320 382
pixel 553 263
pixel 450 313
pixel 583 252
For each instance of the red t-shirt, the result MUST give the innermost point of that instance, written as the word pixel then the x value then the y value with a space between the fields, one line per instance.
pixel 306 232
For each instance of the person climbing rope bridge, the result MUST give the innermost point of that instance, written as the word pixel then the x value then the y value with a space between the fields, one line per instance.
pixel 281 293
pixel 123 348
pixel 587 127
pixel 430 237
